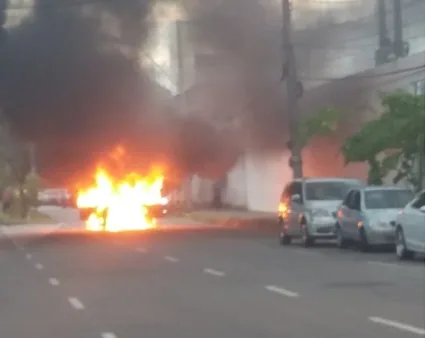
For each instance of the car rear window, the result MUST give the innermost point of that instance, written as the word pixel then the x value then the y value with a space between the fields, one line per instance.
pixel 329 190
pixel 387 199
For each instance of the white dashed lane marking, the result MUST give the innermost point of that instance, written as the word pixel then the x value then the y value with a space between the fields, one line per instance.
pixel 39 266
pixel 109 335
pixel 76 303
pixel 54 281
pixel 397 325
pixel 282 291
pixel 214 272
pixel 388 265
pixel 171 259
pixel 28 256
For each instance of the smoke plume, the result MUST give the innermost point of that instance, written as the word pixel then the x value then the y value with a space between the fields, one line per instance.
pixel 71 83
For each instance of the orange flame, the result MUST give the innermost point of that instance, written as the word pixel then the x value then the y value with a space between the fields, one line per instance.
pixel 121 205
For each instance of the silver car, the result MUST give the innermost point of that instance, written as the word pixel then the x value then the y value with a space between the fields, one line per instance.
pixel 308 207
pixel 367 215
pixel 410 228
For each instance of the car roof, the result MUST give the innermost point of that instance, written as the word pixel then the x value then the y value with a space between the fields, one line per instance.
pixel 384 187
pixel 328 179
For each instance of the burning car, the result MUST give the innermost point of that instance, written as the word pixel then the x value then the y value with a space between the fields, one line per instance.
pixel 131 203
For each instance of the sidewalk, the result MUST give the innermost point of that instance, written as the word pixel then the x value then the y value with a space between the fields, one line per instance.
pixel 28 229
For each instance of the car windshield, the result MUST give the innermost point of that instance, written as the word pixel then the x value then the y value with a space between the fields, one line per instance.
pixel 328 191
pixel 387 199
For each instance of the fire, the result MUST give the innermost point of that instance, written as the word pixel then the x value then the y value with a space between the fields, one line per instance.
pixel 121 205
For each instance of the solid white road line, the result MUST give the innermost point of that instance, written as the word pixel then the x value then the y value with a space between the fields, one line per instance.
pixel 39 266
pixel 214 272
pixel 109 335
pixel 388 265
pixel 76 303
pixel 141 250
pixel 397 325
pixel 171 259
pixel 54 281
pixel 281 291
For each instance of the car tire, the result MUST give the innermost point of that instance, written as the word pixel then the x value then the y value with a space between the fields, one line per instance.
pixel 306 240
pixel 400 246
pixel 364 243
pixel 284 238
pixel 341 242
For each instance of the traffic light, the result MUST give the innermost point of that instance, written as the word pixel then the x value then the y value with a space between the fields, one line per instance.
pixel 3 32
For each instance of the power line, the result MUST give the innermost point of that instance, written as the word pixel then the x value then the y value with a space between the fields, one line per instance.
pixel 362 76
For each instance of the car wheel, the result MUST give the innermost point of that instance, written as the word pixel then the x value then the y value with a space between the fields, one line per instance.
pixel 364 243
pixel 341 242
pixel 400 246
pixel 284 238
pixel 306 239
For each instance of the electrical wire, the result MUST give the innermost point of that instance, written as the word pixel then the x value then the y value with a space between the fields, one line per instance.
pixel 360 75
pixel 370 19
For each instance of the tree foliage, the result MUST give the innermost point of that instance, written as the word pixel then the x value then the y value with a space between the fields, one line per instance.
pixel 398 129
pixel 324 123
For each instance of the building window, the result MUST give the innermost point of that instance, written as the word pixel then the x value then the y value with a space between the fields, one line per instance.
pixel 419 87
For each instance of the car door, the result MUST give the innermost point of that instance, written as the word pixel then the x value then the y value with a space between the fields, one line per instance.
pixel 356 215
pixel 353 214
pixel 343 214
pixel 414 229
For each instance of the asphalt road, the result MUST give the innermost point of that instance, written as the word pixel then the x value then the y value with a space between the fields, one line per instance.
pixel 205 283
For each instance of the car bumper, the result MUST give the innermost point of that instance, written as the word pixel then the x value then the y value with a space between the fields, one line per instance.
pixel 322 227
pixel 381 236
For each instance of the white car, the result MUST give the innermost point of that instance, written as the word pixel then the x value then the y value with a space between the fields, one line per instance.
pixel 410 228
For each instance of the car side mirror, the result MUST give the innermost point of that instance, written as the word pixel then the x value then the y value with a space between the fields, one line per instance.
pixel 296 198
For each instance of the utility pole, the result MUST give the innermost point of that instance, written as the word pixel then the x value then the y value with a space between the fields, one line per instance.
pixel 401 49
pixel 385 50
pixel 294 90
pixel 181 92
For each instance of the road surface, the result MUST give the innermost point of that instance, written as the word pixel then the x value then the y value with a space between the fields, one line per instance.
pixel 202 283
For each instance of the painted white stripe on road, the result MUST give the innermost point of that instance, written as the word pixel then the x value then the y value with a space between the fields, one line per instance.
pixel 281 291
pixel 397 325
pixel 171 259
pixel 214 272
pixel 141 250
pixel 388 265
pixel 109 335
pixel 29 256
pixel 76 303
pixel 54 281
pixel 39 266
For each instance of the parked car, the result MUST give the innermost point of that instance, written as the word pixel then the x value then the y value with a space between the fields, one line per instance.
pixel 308 207
pixel 54 196
pixel 367 215
pixel 410 228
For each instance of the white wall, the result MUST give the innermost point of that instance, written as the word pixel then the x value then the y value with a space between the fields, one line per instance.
pixel 266 176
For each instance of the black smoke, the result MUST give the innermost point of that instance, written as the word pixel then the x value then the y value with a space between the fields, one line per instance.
pixel 71 82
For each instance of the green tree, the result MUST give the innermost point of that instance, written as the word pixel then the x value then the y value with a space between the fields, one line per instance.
pixel 399 129
pixel 324 123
